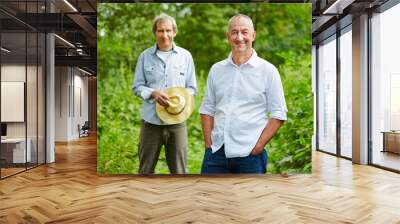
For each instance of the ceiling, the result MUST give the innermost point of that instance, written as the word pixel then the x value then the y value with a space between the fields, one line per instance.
pixel 73 21
pixel 330 15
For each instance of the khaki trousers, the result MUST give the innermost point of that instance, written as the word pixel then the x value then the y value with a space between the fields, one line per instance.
pixel 153 137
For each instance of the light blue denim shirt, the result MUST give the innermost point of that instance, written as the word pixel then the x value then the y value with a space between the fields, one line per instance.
pixel 152 73
pixel 239 99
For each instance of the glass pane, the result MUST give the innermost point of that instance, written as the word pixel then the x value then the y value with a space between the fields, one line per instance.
pixel 22 79
pixel 31 97
pixel 16 8
pixel 41 99
pixel 346 94
pixel 14 153
pixel 327 96
pixel 386 89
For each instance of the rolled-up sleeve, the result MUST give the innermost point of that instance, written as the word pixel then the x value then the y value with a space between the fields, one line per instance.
pixel 208 105
pixel 275 97
pixel 139 87
pixel 191 77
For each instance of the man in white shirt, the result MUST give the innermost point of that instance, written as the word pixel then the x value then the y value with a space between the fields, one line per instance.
pixel 241 90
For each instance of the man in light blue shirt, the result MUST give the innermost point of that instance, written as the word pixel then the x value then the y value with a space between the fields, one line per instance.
pixel 241 91
pixel 159 67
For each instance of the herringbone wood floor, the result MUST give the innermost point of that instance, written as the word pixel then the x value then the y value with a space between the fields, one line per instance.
pixel 70 191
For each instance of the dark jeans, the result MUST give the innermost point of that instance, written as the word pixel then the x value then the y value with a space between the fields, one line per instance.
pixel 218 163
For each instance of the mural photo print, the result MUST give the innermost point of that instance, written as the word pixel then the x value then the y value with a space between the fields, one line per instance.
pixel 204 88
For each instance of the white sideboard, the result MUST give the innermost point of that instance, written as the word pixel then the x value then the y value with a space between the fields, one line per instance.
pixel 18 149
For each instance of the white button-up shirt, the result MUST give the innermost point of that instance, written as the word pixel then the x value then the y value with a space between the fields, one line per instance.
pixel 239 99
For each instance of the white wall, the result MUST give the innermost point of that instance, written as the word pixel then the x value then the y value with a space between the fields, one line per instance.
pixel 80 110
pixel 71 102
pixel 61 103
pixel 14 73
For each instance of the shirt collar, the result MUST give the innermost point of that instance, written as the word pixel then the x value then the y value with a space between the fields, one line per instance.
pixel 155 48
pixel 252 60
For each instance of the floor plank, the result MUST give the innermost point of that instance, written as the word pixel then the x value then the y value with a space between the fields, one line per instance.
pixel 70 191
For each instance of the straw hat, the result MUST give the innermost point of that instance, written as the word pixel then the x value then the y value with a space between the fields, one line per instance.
pixel 181 105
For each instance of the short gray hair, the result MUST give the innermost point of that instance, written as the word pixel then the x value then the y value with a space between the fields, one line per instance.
pixel 164 17
pixel 237 16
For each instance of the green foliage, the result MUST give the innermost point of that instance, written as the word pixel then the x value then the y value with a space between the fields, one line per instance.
pixel 283 38
pixel 291 147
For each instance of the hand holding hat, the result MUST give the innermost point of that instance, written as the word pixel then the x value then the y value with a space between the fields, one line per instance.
pixel 160 97
pixel 180 106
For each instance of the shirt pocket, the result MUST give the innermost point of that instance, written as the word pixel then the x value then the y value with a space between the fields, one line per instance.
pixel 252 96
pixel 153 76
pixel 179 72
